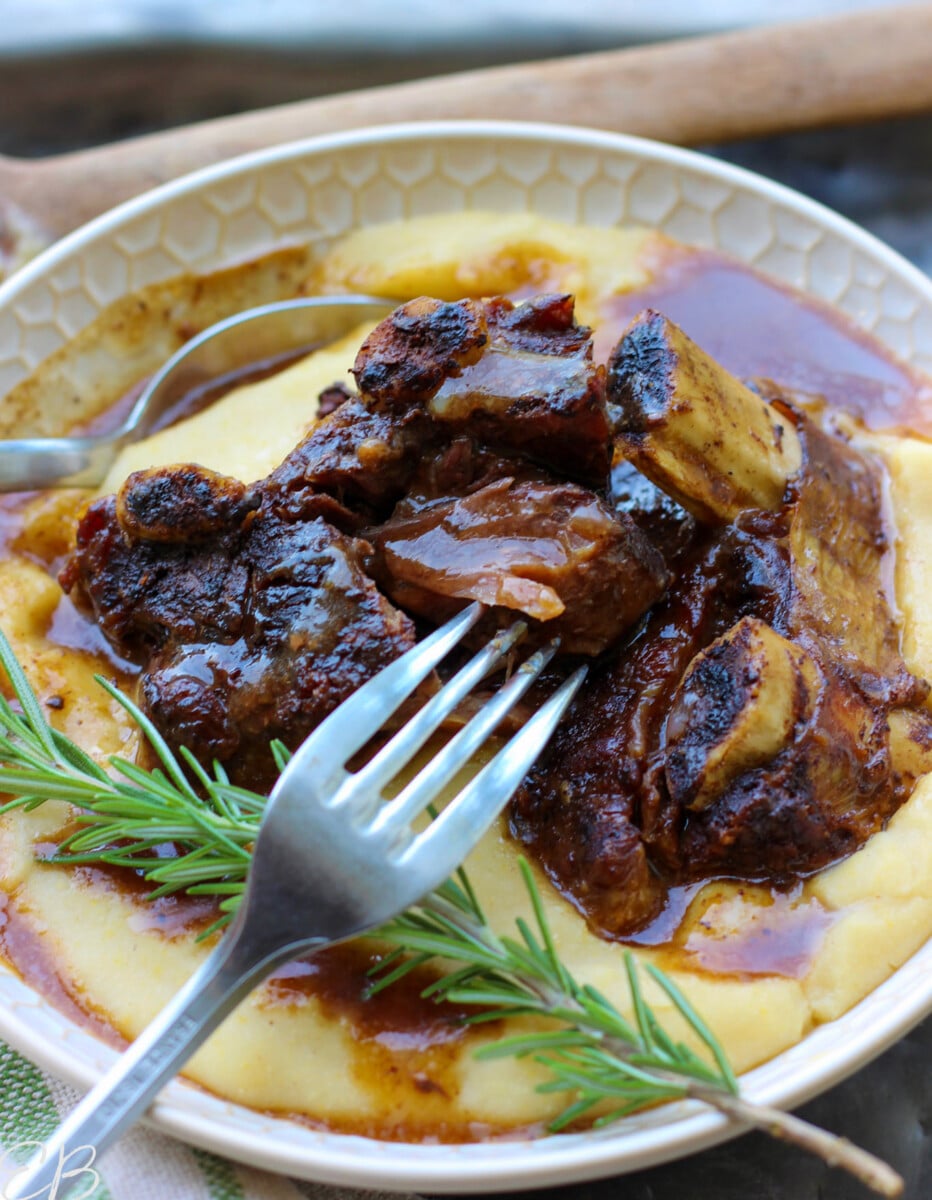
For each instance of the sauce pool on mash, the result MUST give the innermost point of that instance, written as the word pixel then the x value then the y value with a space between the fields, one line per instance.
pixel 723 497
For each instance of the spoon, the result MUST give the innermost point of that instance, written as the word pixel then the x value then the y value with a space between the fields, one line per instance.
pixel 257 333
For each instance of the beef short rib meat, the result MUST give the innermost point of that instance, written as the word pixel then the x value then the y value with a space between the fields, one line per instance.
pixel 581 809
pixel 718 554
pixel 410 355
pixel 553 551
pixel 361 456
pixel 517 377
pixel 253 609
pixel 257 633
pixel 745 729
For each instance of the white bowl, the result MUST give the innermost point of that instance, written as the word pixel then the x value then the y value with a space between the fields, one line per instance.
pixel 315 191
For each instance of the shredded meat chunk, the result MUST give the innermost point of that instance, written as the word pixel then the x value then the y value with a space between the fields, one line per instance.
pixel 520 378
pixel 256 634
pixel 553 551
pixel 361 456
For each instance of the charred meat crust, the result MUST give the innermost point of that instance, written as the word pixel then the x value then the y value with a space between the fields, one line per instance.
pixel 642 762
pixel 316 629
pixel 640 372
pixel 255 610
pixel 700 434
pixel 258 634
pixel 410 354
pixel 182 503
pixel 744 726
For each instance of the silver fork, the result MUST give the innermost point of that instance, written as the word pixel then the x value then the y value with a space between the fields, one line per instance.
pixel 331 861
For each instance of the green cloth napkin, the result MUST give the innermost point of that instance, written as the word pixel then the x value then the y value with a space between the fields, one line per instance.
pixel 144 1165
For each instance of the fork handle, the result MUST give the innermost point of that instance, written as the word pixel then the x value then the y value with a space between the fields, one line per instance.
pixel 230 972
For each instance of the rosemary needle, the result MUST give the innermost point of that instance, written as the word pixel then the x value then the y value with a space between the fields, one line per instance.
pixel 605 1065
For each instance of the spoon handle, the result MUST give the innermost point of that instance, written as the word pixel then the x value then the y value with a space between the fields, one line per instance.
pixel 32 463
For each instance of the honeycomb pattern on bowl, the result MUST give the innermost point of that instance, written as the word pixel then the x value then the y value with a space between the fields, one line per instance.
pixel 317 196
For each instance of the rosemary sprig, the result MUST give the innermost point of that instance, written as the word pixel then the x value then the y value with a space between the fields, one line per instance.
pixel 590 1051
pixel 588 1047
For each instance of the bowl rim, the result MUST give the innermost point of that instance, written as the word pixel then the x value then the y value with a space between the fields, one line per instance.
pixel 645 148
pixel 885 1014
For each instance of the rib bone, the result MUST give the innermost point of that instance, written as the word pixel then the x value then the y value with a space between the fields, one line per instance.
pixel 735 709
pixel 695 430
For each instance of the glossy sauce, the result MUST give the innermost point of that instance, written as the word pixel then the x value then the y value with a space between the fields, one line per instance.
pixel 759 329
pixel 197 398
pixel 746 931
pixel 737 929
pixel 756 328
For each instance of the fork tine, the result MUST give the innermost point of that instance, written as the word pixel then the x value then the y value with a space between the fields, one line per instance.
pixel 385 765
pixel 359 718
pixel 447 841
pixel 413 799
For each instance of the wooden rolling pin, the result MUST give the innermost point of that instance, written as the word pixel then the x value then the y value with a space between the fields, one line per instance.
pixel 855 67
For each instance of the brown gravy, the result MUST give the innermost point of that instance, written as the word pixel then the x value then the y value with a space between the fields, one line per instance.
pixel 406 1043
pixel 21 946
pixel 750 931
pixel 756 328
pixel 760 329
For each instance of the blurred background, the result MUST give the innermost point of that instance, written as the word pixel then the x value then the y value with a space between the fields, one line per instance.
pixel 78 74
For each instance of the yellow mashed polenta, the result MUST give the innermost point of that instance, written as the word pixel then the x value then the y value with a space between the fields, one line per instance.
pixel 305 1056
